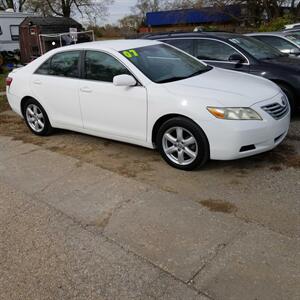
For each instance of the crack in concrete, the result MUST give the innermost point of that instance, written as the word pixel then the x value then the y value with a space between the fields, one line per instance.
pixel 219 249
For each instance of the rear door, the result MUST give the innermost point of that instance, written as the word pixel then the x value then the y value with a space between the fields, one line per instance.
pixel 55 86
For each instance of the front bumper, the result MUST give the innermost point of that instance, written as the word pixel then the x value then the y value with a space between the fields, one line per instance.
pixel 237 139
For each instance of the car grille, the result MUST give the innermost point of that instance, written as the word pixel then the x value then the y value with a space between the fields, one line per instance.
pixel 277 110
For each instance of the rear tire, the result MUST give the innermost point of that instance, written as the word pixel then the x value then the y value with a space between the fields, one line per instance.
pixel 36 118
pixel 182 144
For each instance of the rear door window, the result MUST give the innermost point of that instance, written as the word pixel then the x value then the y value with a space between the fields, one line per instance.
pixel 64 64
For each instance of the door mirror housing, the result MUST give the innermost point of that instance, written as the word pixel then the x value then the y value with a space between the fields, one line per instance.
pixel 294 52
pixel 124 80
pixel 237 58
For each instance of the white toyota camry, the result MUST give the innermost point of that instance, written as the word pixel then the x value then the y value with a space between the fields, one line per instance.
pixel 154 95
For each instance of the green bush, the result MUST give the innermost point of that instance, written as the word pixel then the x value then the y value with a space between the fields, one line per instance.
pixel 277 24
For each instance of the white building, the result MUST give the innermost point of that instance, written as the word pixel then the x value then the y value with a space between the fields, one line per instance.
pixel 9 29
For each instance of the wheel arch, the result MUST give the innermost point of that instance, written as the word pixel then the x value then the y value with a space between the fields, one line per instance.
pixel 23 102
pixel 167 117
pixel 287 84
pixel 293 94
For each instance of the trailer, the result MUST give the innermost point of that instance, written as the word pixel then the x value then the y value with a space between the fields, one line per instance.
pixel 9 30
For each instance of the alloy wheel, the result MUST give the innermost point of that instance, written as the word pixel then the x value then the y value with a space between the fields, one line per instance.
pixel 35 118
pixel 180 145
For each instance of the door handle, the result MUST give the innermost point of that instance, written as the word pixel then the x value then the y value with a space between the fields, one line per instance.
pixel 37 82
pixel 86 90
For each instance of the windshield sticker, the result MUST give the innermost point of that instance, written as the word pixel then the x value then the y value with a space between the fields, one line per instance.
pixel 130 53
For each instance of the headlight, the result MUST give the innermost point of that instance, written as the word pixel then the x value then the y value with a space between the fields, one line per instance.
pixel 234 113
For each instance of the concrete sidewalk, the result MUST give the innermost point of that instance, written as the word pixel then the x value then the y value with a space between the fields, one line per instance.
pixel 74 231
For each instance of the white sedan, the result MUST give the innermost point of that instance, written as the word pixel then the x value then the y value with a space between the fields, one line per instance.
pixel 154 95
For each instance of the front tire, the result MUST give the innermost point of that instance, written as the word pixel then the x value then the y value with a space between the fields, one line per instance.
pixel 290 95
pixel 182 144
pixel 36 118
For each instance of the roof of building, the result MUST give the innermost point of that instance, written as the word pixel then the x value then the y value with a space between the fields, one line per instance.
pixel 52 21
pixel 193 16
pixel 6 14
pixel 52 25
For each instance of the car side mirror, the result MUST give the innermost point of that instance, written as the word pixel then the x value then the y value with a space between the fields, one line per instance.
pixel 237 58
pixel 124 80
pixel 295 52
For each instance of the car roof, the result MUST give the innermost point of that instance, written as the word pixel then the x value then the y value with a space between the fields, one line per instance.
pixel 208 34
pixel 117 45
pixel 274 33
pixel 291 26
pixel 291 30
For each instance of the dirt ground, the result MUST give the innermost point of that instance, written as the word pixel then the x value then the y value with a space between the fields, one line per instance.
pixel 2 82
pixel 263 189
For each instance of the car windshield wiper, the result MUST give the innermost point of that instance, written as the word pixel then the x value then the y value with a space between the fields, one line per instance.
pixel 175 78
pixel 171 79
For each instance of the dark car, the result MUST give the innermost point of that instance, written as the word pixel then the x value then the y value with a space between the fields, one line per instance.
pixel 240 53
pixel 285 42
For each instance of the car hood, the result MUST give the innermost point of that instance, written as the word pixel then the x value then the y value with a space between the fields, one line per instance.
pixel 229 88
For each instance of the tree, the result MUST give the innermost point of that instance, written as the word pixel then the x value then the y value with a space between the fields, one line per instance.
pixel 6 4
pixel 16 5
pixel 130 22
pixel 183 4
pixel 254 12
pixel 258 11
pixel 143 7
pixel 66 8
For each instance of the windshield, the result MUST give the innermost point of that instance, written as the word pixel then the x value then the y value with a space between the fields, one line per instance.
pixel 256 48
pixel 295 38
pixel 162 63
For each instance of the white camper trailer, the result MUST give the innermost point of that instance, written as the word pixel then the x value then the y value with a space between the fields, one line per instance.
pixel 9 30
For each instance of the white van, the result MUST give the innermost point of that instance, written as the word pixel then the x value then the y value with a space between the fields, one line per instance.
pixel 9 30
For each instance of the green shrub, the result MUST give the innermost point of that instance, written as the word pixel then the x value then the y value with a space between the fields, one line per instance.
pixel 277 23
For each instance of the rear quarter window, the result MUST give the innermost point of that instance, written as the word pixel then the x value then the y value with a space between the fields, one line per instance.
pixel 64 64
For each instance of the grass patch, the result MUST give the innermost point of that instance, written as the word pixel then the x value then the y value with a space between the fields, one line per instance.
pixel 2 82
pixel 3 104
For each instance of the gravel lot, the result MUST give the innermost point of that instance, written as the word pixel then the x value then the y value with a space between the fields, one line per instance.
pixel 245 245
pixel 263 189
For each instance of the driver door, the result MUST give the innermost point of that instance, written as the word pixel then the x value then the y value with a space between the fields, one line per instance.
pixel 217 53
pixel 114 110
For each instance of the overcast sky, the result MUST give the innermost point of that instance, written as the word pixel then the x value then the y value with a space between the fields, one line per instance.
pixel 119 9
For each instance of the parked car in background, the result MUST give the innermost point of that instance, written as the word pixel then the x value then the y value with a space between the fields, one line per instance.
pixel 292 26
pixel 286 42
pixel 240 53
pixel 154 95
